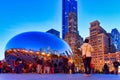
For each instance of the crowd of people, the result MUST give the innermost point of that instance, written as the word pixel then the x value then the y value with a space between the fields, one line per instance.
pixel 43 65
pixel 116 65
pixel 50 66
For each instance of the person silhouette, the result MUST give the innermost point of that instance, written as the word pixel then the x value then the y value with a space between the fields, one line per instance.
pixel 116 65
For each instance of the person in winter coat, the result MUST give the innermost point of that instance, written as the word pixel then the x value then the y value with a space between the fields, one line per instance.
pixel 86 49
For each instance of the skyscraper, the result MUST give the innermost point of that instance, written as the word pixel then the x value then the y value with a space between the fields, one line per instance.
pixel 115 37
pixel 72 37
pixel 100 42
pixel 67 7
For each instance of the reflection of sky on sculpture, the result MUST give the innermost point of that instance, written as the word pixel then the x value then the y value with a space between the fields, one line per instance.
pixel 37 41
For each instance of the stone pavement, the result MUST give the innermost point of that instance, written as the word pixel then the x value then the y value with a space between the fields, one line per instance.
pixel 58 77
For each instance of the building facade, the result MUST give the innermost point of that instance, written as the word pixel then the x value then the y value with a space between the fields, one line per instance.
pixel 72 37
pixel 67 7
pixel 100 42
pixel 54 32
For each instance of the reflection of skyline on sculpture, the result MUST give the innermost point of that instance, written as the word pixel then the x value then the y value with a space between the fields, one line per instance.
pixel 21 16
pixel 37 41
pixel 29 46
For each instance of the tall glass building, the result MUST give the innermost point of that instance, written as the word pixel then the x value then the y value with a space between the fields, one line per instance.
pixel 115 36
pixel 67 7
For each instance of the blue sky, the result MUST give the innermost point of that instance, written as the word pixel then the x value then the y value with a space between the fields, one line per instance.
pixel 17 16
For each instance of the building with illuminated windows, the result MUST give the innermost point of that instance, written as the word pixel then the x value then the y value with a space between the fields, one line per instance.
pixel 100 42
pixel 67 7
pixel 103 44
pixel 72 37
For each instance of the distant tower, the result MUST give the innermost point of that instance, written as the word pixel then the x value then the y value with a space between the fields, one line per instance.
pixel 72 37
pixel 54 32
pixel 72 23
pixel 112 48
pixel 67 7
pixel 115 39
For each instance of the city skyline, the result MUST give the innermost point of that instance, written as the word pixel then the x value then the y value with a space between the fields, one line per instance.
pixel 21 16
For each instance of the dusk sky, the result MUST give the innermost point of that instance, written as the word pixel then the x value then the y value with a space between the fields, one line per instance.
pixel 17 16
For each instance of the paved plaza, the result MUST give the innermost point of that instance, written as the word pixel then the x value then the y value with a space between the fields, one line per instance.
pixel 58 77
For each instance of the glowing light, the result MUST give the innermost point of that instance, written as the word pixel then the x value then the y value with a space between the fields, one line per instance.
pixel 119 69
pixel 37 53
pixel 43 53
pixel 48 54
